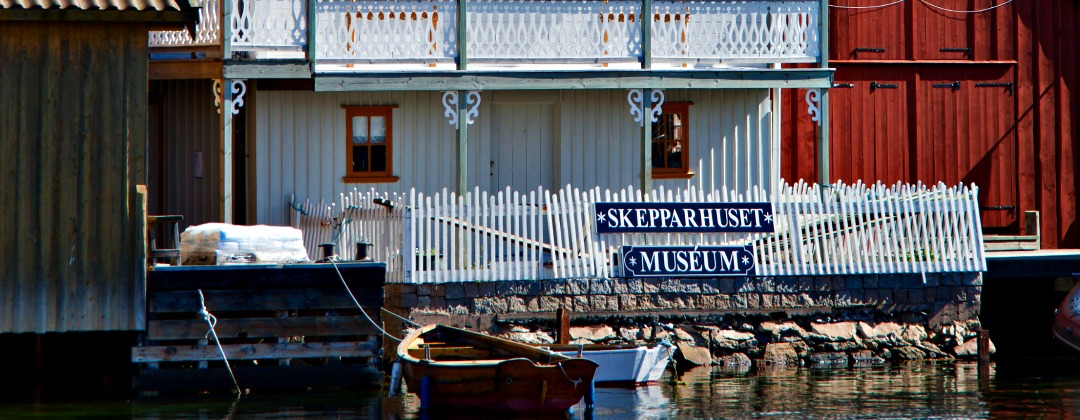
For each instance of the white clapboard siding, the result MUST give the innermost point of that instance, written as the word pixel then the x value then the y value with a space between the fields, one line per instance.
pixel 818 230
pixel 521 139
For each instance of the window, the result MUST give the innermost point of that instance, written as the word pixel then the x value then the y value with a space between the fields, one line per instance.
pixel 369 144
pixel 671 142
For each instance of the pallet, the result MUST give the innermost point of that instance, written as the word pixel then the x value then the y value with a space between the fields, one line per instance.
pixel 281 327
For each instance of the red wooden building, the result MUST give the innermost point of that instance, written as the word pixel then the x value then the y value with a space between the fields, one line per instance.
pixel 974 91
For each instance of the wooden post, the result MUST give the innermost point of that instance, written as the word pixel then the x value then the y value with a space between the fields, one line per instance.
pixel 823 130
pixel 462 38
pixel 563 335
pixel 463 143
pixel 646 34
pixel 226 176
pixel 984 347
pixel 646 141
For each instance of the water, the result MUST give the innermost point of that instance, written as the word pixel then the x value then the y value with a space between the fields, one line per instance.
pixel 1044 389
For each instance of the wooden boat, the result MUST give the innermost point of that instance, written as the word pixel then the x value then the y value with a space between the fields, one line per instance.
pixel 623 365
pixel 451 367
pixel 1067 319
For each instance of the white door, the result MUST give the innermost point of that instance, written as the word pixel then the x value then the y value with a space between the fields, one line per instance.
pixel 522 146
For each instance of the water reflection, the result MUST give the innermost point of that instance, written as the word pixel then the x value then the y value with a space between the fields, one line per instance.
pixel 1046 389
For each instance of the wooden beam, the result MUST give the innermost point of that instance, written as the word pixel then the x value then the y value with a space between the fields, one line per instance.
pixel 185 69
pixel 547 80
pixel 193 329
pixel 191 353
pixel 277 69
pixel 258 300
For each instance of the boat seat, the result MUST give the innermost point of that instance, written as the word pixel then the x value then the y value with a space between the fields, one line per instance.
pixel 170 222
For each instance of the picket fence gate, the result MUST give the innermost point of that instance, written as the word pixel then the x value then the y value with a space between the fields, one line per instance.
pixel 818 230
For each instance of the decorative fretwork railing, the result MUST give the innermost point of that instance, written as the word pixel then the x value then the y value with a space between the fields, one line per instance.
pixel 207 31
pixel 835 230
pixel 517 31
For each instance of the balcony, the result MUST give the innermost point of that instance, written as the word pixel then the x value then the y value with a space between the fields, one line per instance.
pixel 372 35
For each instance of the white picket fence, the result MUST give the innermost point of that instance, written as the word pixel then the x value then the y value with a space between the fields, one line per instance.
pixel 818 230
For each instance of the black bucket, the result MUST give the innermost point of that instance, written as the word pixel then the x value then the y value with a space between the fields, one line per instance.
pixel 362 249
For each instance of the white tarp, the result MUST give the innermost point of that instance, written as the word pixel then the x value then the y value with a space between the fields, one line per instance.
pixel 223 243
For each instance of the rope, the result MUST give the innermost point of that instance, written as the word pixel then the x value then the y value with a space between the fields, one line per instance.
pixel 353 297
pixel 298 208
pixel 401 318
pixel 573 381
pixel 965 11
pixel 879 6
pixel 212 321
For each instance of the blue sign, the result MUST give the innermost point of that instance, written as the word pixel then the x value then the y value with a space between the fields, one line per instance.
pixel 616 217
pixel 687 261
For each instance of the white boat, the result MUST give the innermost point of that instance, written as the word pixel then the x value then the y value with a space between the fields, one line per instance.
pixel 623 365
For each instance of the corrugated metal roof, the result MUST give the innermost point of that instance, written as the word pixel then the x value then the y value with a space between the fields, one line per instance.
pixel 140 5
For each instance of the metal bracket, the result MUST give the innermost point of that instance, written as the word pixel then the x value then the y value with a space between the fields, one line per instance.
pixel 843 85
pixel 875 85
pixel 1007 85
pixel 866 50
pixel 954 85
pixel 966 51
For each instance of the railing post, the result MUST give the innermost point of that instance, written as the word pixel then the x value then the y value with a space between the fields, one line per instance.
pixel 311 34
pixel 646 37
pixel 462 38
pixel 226 28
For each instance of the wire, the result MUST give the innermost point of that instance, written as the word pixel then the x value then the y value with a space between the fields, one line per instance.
pixel 966 11
pixel 342 278
pixel 879 6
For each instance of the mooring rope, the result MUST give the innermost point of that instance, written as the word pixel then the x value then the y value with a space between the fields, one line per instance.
pixel 353 297
pixel 212 321
pixel 573 381
pixel 401 318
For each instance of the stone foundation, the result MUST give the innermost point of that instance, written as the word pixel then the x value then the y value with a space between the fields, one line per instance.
pixel 945 307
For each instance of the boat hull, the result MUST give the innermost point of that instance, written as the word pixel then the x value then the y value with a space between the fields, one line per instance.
pixel 627 366
pixel 452 368
pixel 1067 319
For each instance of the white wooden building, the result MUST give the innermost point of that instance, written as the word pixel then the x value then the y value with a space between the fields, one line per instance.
pixel 551 94
pixel 494 126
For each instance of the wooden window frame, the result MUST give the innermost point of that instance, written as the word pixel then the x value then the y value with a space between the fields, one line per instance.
pixel 385 111
pixel 683 172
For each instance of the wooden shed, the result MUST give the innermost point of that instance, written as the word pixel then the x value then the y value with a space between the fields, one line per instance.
pixel 979 92
pixel 73 77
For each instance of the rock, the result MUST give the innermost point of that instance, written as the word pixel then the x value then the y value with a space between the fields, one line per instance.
pixel 970 348
pixel 908 353
pixel 693 355
pixel 827 359
pixel 842 346
pixel 880 331
pixel 538 337
pixel 866 357
pixel 781 354
pixel 593 334
pixel 837 331
pixel 736 359
pixel 682 335
pixel 733 340
pixel 932 350
pixel 780 331
pixel 801 348
pixel 914 334
pixel 630 334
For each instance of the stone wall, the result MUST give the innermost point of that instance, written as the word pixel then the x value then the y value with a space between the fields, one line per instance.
pixel 943 298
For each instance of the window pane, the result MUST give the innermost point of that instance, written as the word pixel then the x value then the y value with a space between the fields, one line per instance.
pixel 360 159
pixel 658 154
pixel 378 129
pixel 378 158
pixel 359 129
pixel 674 154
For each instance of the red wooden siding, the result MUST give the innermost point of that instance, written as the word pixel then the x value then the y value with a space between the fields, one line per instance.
pixel 1017 144
pixel 863 29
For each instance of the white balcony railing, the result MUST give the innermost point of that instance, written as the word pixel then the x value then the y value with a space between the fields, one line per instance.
pixel 207 31
pixel 516 31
